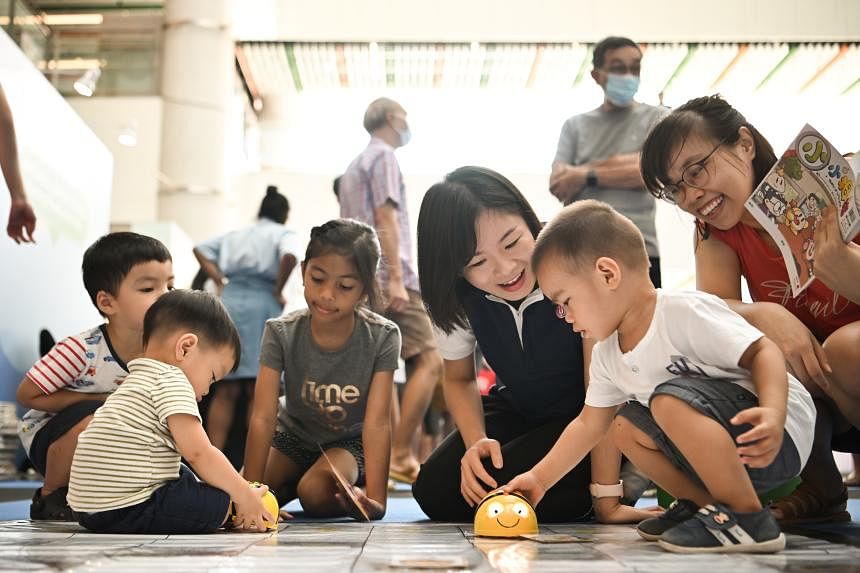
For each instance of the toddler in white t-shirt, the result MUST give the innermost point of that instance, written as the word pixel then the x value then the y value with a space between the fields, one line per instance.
pixel 711 414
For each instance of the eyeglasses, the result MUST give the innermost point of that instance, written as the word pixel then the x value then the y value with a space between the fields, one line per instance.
pixel 695 175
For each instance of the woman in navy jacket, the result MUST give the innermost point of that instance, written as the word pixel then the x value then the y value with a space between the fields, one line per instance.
pixel 476 235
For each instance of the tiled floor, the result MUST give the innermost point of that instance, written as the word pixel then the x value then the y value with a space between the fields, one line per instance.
pixel 387 546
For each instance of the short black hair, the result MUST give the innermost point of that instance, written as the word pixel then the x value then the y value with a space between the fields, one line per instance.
pixel 274 206
pixel 197 312
pixel 356 241
pixel 447 238
pixel 598 56
pixel 586 230
pixel 107 261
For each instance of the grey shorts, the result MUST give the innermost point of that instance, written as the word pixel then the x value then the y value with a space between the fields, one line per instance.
pixel 304 457
pixel 719 400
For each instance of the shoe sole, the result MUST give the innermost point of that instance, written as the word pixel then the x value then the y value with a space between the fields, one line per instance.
pixel 773 546
pixel 648 536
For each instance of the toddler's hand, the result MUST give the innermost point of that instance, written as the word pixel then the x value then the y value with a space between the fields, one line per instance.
pixel 527 484
pixel 250 512
pixel 759 446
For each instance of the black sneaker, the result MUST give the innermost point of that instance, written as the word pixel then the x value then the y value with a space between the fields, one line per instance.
pixel 52 507
pixel 679 511
pixel 717 529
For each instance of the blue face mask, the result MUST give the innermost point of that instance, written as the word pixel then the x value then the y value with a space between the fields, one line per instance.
pixel 405 135
pixel 620 89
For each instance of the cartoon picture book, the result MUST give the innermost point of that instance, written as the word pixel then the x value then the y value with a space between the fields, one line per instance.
pixel 809 177
pixel 346 488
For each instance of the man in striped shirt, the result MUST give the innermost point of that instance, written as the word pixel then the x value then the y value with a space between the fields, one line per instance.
pixel 371 190
pixel 124 273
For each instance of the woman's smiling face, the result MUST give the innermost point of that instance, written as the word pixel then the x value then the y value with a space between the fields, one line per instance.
pixel 728 183
pixel 501 265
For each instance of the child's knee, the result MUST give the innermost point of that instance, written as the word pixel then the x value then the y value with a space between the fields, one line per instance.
pixel 662 404
pixel 622 431
pixel 316 496
pixel 843 346
pixel 628 437
pixel 316 493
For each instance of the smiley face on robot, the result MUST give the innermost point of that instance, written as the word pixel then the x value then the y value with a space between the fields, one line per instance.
pixel 503 514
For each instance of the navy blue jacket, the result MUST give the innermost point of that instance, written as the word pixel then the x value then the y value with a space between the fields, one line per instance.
pixel 541 378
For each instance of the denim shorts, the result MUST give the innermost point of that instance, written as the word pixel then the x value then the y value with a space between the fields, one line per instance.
pixel 56 428
pixel 304 457
pixel 182 506
pixel 719 400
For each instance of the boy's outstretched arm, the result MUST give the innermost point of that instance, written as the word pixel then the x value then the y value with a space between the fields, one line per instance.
pixel 577 439
pixel 766 364
pixel 213 468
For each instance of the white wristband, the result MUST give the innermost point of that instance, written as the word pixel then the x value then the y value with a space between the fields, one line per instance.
pixel 600 490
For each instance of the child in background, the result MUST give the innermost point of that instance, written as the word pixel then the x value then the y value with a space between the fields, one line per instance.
pixel 126 475
pixel 124 273
pixel 695 372
pixel 338 360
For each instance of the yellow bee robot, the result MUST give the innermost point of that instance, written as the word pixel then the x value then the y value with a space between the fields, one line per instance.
pixel 503 514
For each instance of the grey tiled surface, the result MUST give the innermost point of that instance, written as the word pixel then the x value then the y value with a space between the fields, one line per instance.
pixel 361 547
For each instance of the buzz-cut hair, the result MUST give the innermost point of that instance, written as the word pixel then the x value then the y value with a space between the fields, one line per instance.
pixel 586 230
pixel 197 312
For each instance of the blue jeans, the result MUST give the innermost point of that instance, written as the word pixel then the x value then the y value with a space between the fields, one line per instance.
pixel 183 505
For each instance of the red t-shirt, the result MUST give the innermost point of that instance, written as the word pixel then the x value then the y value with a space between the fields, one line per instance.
pixel 819 308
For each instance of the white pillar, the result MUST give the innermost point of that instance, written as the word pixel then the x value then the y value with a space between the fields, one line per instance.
pixel 196 84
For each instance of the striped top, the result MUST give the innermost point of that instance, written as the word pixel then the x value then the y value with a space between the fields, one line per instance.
pixel 371 180
pixel 127 451
pixel 85 362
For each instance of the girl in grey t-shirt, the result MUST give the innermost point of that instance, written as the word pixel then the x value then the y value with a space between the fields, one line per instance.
pixel 337 360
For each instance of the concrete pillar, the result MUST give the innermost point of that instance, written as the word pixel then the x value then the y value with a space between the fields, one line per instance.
pixel 196 85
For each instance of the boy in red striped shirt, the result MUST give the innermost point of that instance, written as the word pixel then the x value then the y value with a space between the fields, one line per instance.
pixel 124 273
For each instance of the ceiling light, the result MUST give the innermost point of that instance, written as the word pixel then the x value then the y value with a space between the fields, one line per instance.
pixel 86 84
pixel 72 19
pixel 128 134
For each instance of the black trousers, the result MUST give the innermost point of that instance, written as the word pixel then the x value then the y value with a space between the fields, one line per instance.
pixel 524 442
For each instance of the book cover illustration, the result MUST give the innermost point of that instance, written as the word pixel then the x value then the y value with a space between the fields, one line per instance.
pixel 810 176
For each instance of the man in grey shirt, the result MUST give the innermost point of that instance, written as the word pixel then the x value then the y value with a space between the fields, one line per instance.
pixel 598 151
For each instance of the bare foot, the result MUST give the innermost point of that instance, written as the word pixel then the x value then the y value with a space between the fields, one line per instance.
pixel 404 470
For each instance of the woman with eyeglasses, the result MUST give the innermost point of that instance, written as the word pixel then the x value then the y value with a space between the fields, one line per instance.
pixel 476 235
pixel 707 159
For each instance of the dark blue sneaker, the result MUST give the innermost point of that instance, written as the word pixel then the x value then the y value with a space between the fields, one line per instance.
pixel 717 529
pixel 679 511
pixel 52 507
